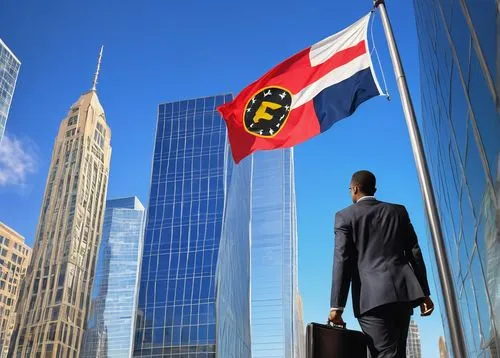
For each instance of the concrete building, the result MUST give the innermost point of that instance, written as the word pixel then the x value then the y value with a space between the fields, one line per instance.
pixel 15 257
pixel 443 351
pixel 55 302
pixel 413 344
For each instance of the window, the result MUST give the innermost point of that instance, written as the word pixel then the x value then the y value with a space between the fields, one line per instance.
pixel 61 278
pixel 32 302
pixel 99 135
pixel 4 240
pixel 70 133
pixel 49 348
pixel 99 139
pixel 73 120
pixel 55 313
pixel 59 295
pixel 52 332
pixel 100 128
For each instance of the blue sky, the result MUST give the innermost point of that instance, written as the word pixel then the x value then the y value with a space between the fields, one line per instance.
pixel 158 51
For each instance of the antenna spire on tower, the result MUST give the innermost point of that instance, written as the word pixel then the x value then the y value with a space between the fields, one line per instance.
pixel 96 74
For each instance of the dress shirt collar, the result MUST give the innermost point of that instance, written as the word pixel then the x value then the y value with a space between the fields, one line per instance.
pixel 366 197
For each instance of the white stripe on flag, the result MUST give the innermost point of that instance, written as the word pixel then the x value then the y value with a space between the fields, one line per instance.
pixel 335 76
pixel 348 37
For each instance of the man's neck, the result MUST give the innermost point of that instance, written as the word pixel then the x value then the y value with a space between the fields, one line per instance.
pixel 365 197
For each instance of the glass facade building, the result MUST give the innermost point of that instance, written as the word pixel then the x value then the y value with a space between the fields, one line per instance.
pixel 233 267
pixel 274 276
pixel 177 295
pixel 459 65
pixel 257 267
pixel 220 254
pixel 111 322
pixel 9 69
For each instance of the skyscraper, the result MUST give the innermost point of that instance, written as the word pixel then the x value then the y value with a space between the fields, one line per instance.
pixel 111 322
pixel 458 42
pixel 206 229
pixel 15 257
pixel 55 300
pixel 443 351
pixel 9 69
pixel 177 296
pixel 262 256
pixel 274 276
pixel 413 345
pixel 233 338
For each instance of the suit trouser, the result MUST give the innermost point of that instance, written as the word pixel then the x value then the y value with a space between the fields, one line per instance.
pixel 387 329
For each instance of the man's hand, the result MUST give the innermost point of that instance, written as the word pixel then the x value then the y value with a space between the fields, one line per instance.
pixel 426 307
pixel 335 317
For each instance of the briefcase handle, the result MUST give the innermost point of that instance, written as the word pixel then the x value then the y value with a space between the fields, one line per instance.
pixel 334 325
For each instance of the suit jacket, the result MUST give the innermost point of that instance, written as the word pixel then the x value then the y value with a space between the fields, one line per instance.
pixel 376 249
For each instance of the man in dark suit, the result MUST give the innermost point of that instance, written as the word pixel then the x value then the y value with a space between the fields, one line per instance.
pixel 376 249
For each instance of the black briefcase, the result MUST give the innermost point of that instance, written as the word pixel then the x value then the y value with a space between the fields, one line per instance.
pixel 326 341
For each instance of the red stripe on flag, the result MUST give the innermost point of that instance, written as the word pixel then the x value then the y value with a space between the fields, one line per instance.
pixel 296 72
pixel 301 74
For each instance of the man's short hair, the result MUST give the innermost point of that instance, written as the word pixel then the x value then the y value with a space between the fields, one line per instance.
pixel 366 181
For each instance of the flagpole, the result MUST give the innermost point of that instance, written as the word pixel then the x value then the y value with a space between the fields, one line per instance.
pixel 450 302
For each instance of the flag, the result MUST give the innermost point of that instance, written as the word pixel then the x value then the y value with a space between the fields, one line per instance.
pixel 304 95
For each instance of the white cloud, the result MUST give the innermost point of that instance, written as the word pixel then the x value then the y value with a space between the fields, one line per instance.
pixel 18 159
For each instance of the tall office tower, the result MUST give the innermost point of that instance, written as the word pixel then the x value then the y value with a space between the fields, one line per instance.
pixel 443 351
pixel 15 257
pixel 177 295
pixel 206 217
pixel 111 322
pixel 263 257
pixel 413 345
pixel 274 276
pixel 233 267
pixel 56 297
pixel 9 69
pixel 459 63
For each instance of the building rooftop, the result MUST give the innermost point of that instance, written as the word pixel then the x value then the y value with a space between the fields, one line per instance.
pixel 131 202
pixel 8 228
pixel 9 51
